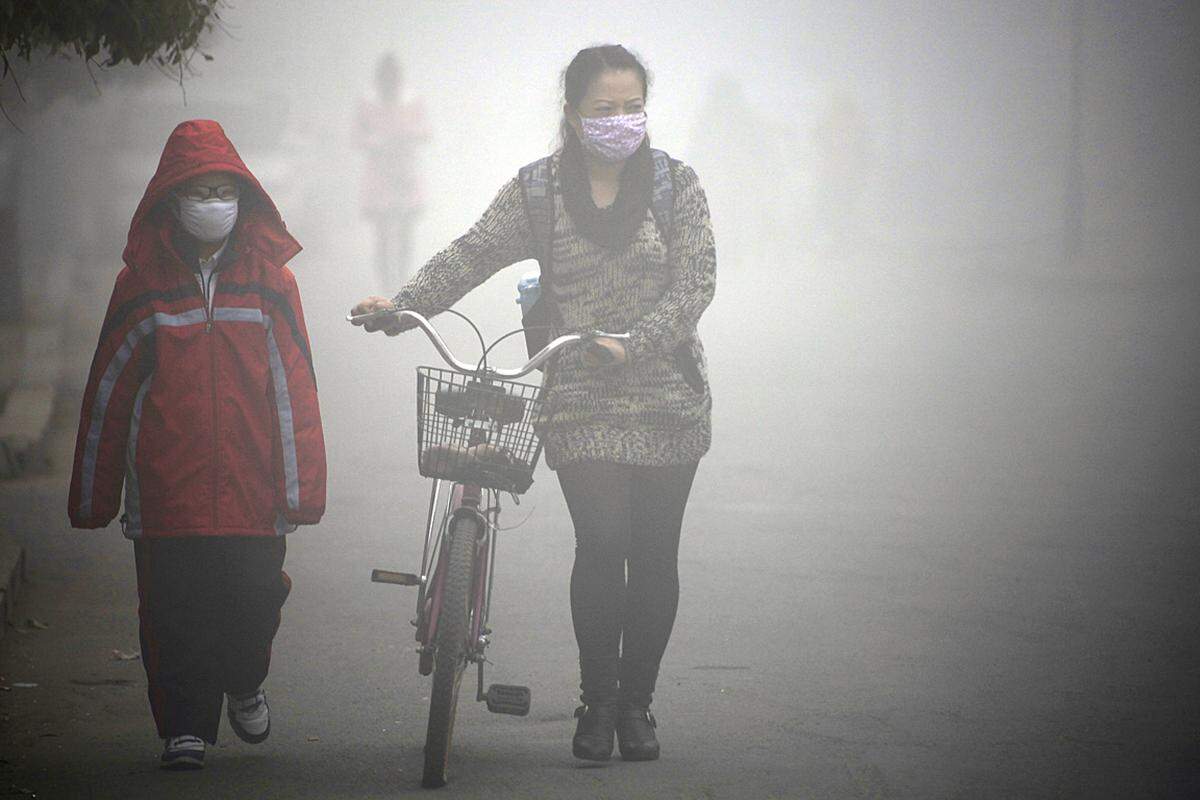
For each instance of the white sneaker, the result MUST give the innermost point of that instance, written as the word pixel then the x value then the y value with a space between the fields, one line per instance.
pixel 183 752
pixel 249 716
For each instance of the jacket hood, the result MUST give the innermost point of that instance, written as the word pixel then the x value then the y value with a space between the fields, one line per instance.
pixel 194 148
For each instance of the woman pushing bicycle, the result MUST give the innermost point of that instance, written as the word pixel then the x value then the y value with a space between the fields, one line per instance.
pixel 630 248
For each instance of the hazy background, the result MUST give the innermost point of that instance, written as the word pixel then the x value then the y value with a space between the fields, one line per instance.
pixel 890 185
pixel 953 354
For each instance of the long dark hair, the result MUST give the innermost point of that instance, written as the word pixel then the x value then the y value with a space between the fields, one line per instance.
pixel 586 66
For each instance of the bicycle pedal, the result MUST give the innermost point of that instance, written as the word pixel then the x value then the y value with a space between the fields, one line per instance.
pixel 395 578
pixel 505 699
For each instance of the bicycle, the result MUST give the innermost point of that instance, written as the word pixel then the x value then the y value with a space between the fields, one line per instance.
pixel 476 431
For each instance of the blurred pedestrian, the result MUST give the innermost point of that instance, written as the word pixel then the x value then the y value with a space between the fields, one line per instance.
pixel 202 403
pixel 389 129
pixel 843 148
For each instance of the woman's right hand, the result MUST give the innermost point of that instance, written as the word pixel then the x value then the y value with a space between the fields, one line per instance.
pixel 388 323
pixel 604 352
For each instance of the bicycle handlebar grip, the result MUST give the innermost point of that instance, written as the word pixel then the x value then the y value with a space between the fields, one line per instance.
pixel 370 315
pixel 600 353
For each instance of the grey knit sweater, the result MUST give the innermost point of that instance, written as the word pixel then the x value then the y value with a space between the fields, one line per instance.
pixel 655 409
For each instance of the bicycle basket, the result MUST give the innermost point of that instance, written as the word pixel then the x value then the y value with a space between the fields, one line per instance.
pixel 477 430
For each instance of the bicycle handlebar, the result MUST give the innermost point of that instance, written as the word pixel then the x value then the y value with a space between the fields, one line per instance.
pixel 540 358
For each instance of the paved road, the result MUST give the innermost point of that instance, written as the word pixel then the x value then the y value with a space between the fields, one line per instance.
pixel 946 551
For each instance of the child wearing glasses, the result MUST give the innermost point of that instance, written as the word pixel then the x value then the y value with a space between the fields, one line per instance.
pixel 201 410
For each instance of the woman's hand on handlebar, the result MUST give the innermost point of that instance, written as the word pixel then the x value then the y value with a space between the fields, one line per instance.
pixel 388 323
pixel 603 352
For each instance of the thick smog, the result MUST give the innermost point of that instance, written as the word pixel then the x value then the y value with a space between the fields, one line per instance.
pixel 863 463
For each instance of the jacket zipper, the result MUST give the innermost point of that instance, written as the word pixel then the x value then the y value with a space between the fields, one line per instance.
pixel 216 456
pixel 212 349
pixel 205 295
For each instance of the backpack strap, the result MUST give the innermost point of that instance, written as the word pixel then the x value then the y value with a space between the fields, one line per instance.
pixel 537 190
pixel 662 197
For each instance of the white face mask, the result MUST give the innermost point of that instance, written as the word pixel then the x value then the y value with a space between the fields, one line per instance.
pixel 208 220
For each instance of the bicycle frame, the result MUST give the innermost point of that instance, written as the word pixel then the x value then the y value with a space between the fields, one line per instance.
pixel 465 500
pixel 472 427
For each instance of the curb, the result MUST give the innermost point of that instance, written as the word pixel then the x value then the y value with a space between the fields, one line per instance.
pixel 23 426
pixel 24 423
pixel 12 575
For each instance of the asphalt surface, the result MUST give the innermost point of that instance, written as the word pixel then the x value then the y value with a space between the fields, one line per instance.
pixel 944 547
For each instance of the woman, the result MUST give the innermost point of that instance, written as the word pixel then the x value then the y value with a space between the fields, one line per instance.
pixel 626 429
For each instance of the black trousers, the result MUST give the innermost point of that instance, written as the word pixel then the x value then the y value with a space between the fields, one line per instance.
pixel 625 582
pixel 209 609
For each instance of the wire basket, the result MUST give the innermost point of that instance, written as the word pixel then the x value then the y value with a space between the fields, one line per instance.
pixel 477 430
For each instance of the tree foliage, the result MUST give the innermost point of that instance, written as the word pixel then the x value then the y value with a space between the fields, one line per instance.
pixel 165 32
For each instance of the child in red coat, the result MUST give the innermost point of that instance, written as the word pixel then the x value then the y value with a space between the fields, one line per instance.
pixel 202 404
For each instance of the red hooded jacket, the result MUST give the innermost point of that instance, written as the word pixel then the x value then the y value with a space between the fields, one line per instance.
pixel 209 418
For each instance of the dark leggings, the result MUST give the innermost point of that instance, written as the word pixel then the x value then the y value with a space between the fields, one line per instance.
pixel 625 517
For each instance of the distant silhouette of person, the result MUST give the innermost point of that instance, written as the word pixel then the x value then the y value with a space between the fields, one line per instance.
pixel 389 128
pixel 843 154
pixel 748 160
pixel 724 140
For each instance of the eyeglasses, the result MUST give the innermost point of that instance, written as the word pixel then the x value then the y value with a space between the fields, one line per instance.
pixel 226 191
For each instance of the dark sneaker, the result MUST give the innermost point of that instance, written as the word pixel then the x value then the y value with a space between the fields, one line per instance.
pixel 594 732
pixel 635 733
pixel 249 716
pixel 183 752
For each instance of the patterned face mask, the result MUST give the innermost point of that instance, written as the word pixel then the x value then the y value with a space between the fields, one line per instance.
pixel 614 138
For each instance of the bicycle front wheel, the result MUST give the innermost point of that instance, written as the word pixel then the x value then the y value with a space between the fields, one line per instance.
pixel 450 647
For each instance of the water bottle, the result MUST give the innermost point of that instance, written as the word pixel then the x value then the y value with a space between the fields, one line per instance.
pixel 529 288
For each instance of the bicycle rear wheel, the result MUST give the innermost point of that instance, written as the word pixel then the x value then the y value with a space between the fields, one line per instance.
pixel 450 653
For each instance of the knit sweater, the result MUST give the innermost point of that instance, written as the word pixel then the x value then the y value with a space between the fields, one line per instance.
pixel 653 410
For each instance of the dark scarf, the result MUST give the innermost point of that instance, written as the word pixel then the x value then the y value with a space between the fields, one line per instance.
pixel 617 224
